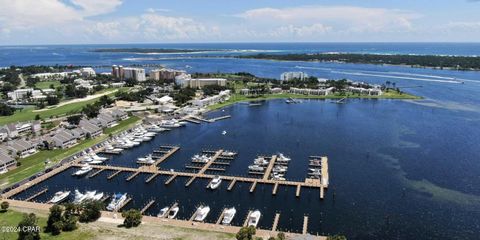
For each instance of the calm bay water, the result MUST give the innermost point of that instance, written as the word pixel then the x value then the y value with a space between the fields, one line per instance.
pixel 398 169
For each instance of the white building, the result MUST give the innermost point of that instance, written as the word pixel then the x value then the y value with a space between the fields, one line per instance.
pixel 87 72
pixel 308 91
pixel 21 94
pixel 286 76
pixel 221 97
pixel 45 76
pixel 134 73
pixel 186 80
pixel 165 74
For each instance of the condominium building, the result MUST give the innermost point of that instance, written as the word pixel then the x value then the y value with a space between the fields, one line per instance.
pixel 134 73
pixel 287 76
pixel 186 80
pixel 165 74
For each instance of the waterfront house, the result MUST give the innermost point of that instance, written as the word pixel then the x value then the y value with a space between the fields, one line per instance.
pixel 6 161
pixel 78 133
pixel 89 128
pixel 309 91
pixel 118 114
pixel 64 139
pixel 11 130
pixel 221 97
pixel 21 148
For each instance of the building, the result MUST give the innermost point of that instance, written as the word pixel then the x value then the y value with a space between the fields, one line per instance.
pixel 368 91
pixel 14 130
pixel 165 74
pixel 186 80
pixel 89 128
pixel 106 120
pixel 54 76
pixel 308 91
pixel 117 72
pixel 21 94
pixel 135 74
pixel 287 76
pixel 64 139
pixel 118 114
pixel 87 72
pixel 6 161
pixel 221 97
pixel 21 148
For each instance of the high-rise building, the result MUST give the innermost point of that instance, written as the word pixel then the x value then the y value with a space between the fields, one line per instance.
pixel 165 74
pixel 134 73
pixel 286 76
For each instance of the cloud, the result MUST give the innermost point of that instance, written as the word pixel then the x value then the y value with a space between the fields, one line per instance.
pixel 155 10
pixel 95 7
pixel 341 18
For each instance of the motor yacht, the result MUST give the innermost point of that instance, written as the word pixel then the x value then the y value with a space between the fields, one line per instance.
pixel 228 216
pixel 215 183
pixel 59 197
pixel 117 201
pixel 98 196
pixel 254 218
pixel 228 154
pixel 173 212
pixel 83 170
pixel 163 212
pixel 282 158
pixel 201 213
pixel 256 168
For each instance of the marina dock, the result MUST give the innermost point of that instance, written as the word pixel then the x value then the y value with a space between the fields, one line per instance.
pixel 275 222
pixel 114 174
pixel 95 173
pixel 166 155
pixel 132 176
pixel 232 184
pixel 153 176
pixel 297 193
pixel 246 219
pixel 36 195
pixel 147 206
pixel 266 175
pixel 305 225
pixel 252 187
pixel 124 204
pixel 275 188
pixel 219 220
pixel 170 179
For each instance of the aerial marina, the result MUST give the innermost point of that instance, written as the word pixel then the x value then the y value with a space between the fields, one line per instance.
pixel 106 165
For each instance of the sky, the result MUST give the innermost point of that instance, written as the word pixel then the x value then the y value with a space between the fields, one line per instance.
pixel 31 22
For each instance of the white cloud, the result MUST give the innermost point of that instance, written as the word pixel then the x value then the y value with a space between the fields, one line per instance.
pixel 342 18
pixel 95 7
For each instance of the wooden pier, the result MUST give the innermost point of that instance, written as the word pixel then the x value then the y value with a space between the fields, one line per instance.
pixel 153 176
pixel 305 225
pixel 124 204
pixel 219 220
pixel 232 183
pixel 190 181
pixel 252 187
pixel 191 120
pixel 266 175
pixel 149 204
pixel 114 174
pixel 36 195
pixel 219 118
pixel 95 173
pixel 297 194
pixel 275 188
pixel 132 176
pixel 170 179
pixel 165 156
pixel 275 222
pixel 207 165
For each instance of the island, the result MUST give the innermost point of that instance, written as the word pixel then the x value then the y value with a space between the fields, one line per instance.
pixel 470 63
pixel 149 50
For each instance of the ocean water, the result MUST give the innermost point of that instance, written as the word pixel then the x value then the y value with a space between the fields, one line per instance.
pixel 398 169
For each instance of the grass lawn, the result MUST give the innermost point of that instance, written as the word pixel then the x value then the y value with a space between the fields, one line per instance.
pixel 46 84
pixel 242 98
pixel 36 163
pixel 28 114
pixel 11 218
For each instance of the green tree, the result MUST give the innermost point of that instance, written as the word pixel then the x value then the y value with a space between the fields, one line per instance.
pixel 69 222
pixel 90 211
pixel 6 110
pixel 74 119
pixel 337 237
pixel 55 219
pixel 5 205
pixel 245 233
pixel 29 229
pixel 133 218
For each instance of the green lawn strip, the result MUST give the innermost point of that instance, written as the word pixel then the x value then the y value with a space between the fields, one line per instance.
pixel 28 113
pixel 36 163
pixel 46 84
pixel 242 98
pixel 11 218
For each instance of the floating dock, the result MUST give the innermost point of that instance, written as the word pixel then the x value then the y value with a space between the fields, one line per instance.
pixel 95 173
pixel 219 220
pixel 252 187
pixel 153 176
pixel 147 206
pixel 305 225
pixel 170 179
pixel 36 195
pixel 232 184
pixel 124 204
pixel 275 188
pixel 266 175
pixel 275 222
pixel 166 155
pixel 246 219
pixel 132 176
pixel 114 174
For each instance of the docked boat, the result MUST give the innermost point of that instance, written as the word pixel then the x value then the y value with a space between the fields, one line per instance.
pixel 173 212
pixel 83 170
pixel 224 133
pixel 146 160
pixel 78 197
pixel 59 197
pixel 228 154
pixel 98 196
pixel 163 212
pixel 256 168
pixel 215 183
pixel 89 195
pixel 201 213
pixel 98 158
pixel 228 216
pixel 282 158
pixel 117 201
pixel 261 161
pixel 254 218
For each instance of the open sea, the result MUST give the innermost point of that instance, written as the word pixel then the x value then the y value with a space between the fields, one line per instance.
pixel 398 169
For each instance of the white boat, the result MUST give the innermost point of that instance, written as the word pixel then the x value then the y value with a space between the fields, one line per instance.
pixel 150 134
pixel 228 154
pixel 173 212
pixel 215 183
pixel 280 169
pixel 78 197
pixel 201 213
pixel 89 195
pixel 224 132
pixel 146 138
pixel 98 158
pixel 228 216
pixel 254 218
pixel 59 197
pixel 98 196
pixel 146 160
pixel 117 201
pixel 255 168
pixel 83 170
pixel 87 159
pixel 282 158
pixel 163 212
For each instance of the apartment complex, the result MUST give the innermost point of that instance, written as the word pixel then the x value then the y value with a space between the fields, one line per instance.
pixel 124 73
pixel 287 76
pixel 165 74
pixel 186 80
